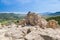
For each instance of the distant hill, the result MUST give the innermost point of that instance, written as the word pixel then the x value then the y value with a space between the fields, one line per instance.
pixel 49 14
pixel 10 16
pixel 54 14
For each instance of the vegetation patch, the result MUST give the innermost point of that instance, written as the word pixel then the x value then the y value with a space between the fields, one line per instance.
pixel 57 18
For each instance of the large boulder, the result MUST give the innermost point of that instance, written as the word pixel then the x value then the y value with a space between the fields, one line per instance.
pixel 34 19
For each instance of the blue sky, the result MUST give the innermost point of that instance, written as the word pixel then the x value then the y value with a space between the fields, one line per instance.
pixel 40 6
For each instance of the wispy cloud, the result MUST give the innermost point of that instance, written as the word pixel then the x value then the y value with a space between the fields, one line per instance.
pixel 30 5
pixel 46 5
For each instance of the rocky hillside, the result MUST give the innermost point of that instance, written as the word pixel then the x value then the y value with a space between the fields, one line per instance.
pixel 32 27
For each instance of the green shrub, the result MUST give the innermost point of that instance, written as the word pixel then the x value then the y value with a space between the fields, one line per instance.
pixel 57 18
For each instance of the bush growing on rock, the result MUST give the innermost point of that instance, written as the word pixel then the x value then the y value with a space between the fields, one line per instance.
pixel 52 24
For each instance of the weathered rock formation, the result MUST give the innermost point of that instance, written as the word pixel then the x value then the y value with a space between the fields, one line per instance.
pixel 33 19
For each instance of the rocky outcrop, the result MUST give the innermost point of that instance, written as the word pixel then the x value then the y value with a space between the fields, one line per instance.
pixel 33 19
pixel 32 29
pixel 29 33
